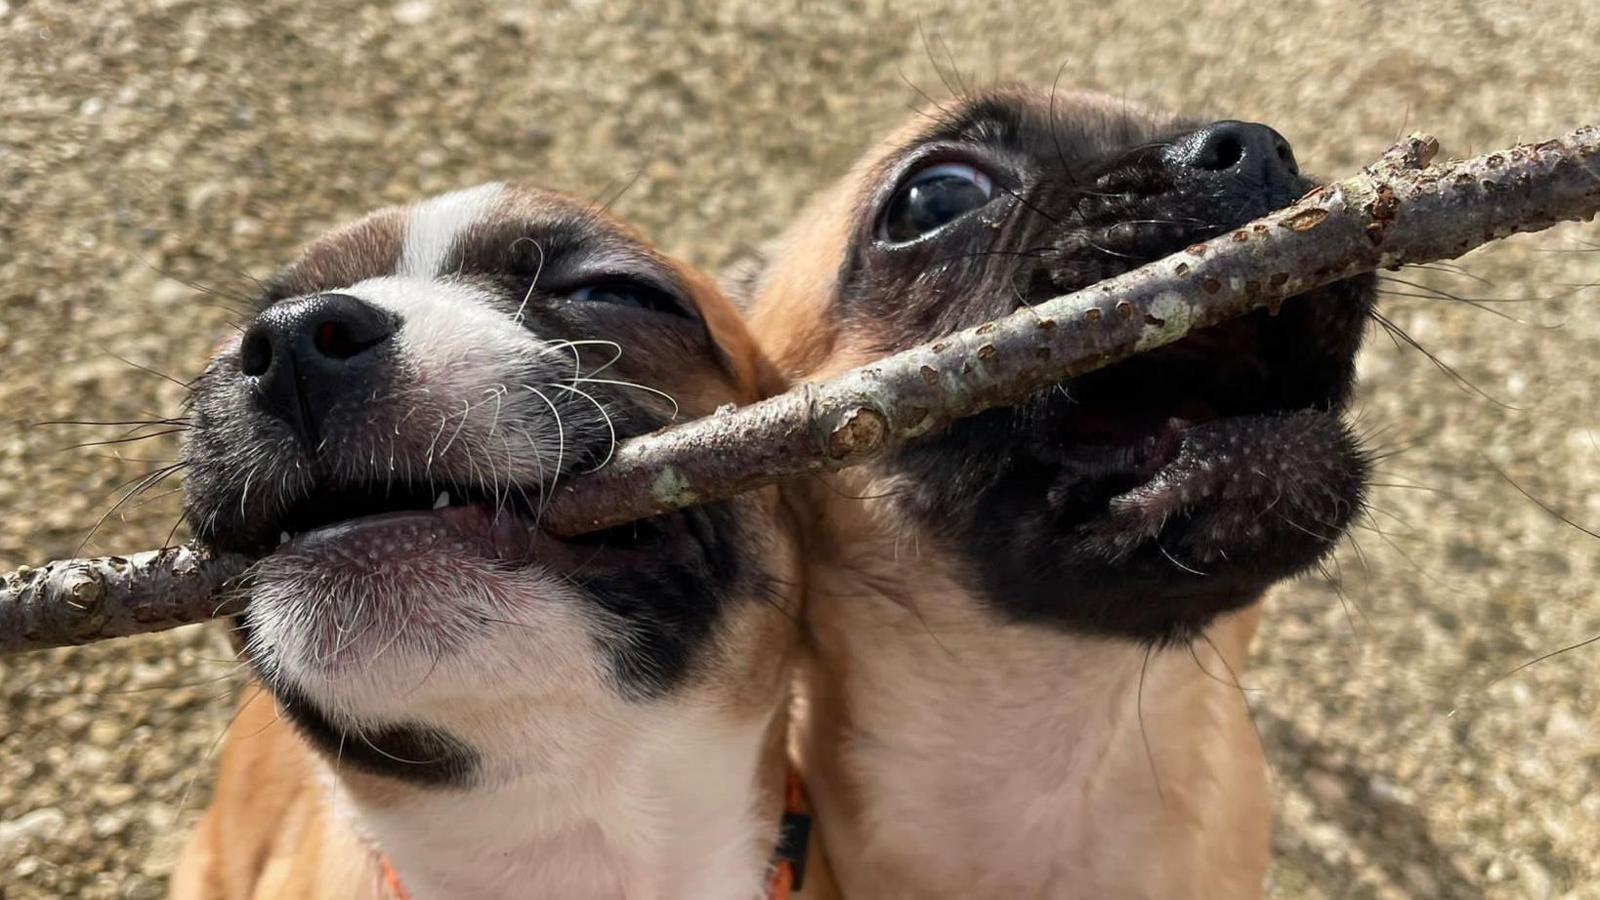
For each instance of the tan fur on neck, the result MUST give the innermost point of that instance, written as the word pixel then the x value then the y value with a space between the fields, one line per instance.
pixel 949 755
pixel 952 754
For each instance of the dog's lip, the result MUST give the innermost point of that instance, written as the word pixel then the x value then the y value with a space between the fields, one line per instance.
pixel 1180 444
pixel 498 532
pixel 1184 464
pixel 1124 426
pixel 1139 458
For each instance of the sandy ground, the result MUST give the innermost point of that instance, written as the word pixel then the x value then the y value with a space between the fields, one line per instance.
pixel 148 144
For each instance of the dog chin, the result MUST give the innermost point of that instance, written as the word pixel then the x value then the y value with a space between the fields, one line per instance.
pixel 390 623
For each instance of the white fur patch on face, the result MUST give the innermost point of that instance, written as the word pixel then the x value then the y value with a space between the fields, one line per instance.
pixel 469 405
pixel 472 386
pixel 434 225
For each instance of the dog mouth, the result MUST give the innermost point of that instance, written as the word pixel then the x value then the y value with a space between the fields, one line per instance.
pixel 497 524
pixel 1215 445
pixel 1218 464
pixel 1226 400
pixel 1170 487
pixel 500 526
pixel 378 529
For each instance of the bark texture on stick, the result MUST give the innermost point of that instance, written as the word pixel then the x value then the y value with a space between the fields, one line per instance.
pixel 76 601
pixel 1399 210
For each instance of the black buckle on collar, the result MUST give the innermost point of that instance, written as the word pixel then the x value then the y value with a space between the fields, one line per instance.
pixel 794 837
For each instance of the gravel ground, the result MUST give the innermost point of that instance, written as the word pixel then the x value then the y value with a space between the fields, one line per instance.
pixel 148 145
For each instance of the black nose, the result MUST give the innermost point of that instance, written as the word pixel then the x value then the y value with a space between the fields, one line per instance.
pixel 304 356
pixel 1250 155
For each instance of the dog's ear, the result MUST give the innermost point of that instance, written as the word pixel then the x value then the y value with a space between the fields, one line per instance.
pixel 741 278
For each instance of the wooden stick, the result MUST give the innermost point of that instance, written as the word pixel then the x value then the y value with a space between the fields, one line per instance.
pixel 1397 211
pixel 76 601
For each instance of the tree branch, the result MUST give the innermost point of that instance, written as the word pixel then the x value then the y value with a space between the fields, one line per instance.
pixel 76 601
pixel 1397 211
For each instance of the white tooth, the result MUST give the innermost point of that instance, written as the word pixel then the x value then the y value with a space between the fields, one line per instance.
pixel 283 537
pixel 442 501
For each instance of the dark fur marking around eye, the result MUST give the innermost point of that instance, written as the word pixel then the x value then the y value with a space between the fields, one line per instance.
pixel 1023 497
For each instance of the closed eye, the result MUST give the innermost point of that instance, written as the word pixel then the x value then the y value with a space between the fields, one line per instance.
pixel 629 292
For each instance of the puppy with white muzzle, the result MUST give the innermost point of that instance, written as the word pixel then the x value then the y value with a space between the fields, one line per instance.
pixel 457 704
pixel 1024 630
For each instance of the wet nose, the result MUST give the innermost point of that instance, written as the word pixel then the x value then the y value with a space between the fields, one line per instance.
pixel 304 356
pixel 1247 153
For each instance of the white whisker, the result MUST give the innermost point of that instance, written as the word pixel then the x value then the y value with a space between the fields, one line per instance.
pixel 577 363
pixel 466 410
pixel 443 421
pixel 532 284
pixel 610 450
pixel 561 436
pixel 638 387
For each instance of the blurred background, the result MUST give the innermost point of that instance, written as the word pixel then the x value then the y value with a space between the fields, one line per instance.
pixel 151 148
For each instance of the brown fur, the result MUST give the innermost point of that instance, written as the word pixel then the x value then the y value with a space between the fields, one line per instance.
pixel 270 832
pixel 952 754
pixel 274 831
pixel 364 249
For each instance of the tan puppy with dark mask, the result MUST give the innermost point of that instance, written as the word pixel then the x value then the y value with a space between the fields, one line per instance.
pixel 452 703
pixel 1023 631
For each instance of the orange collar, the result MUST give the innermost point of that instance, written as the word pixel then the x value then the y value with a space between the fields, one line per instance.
pixel 391 879
pixel 794 838
pixel 788 858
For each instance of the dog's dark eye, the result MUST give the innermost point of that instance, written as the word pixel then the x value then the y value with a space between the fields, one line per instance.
pixel 932 199
pixel 625 292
